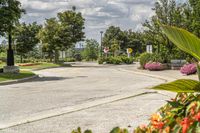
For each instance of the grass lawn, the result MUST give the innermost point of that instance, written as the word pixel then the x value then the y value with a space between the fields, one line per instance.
pixel 41 66
pixel 12 76
pixel 2 65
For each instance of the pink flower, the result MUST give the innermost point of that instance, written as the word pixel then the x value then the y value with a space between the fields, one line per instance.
pixel 154 66
pixel 189 69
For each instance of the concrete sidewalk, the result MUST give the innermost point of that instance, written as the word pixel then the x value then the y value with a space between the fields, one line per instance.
pixel 169 75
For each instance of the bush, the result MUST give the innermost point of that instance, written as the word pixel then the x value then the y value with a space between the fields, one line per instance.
pixel 30 64
pixel 70 60
pixel 101 60
pixel 154 66
pixel 127 60
pixel 189 69
pixel 114 60
pixel 78 57
pixel 145 58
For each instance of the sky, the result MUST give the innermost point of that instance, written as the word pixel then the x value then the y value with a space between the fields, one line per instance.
pixel 99 14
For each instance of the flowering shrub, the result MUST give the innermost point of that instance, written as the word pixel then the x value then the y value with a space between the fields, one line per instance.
pixel 153 66
pixel 29 64
pixel 188 69
pixel 180 115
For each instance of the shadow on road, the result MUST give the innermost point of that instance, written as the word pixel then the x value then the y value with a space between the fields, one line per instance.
pixel 42 79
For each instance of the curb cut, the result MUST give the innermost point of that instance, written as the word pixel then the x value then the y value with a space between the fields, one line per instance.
pixel 18 80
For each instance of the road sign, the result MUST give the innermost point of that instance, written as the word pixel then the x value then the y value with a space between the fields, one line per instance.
pixel 106 50
pixel 129 50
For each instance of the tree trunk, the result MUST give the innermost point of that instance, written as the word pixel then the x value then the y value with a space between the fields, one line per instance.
pixel 21 59
pixel 56 60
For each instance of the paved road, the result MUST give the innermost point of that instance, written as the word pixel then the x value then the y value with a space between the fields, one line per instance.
pixel 85 95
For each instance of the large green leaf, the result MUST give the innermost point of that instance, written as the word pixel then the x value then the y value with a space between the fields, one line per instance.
pixel 182 85
pixel 183 39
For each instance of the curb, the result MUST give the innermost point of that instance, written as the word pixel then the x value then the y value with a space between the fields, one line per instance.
pixel 165 79
pixel 18 80
pixel 38 69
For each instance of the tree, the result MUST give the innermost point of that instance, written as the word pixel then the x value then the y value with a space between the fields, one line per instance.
pixel 111 34
pixel 10 13
pixel 71 28
pixel 26 38
pixel 61 33
pixel 49 37
pixel 91 50
pixel 193 16
pixel 170 13
pixel 115 47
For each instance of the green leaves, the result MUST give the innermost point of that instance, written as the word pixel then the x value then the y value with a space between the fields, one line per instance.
pixel 118 130
pixel 183 39
pixel 182 85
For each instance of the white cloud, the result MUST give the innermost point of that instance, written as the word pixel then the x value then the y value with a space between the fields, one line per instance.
pixel 99 14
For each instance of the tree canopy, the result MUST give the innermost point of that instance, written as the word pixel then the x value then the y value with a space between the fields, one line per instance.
pixel 10 13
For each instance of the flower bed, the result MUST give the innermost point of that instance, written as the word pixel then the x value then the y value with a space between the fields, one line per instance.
pixel 29 64
pixel 180 115
pixel 154 66
pixel 188 69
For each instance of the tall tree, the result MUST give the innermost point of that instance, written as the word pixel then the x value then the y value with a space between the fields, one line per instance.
pixel 167 12
pixel 26 38
pixel 111 34
pixel 195 16
pixel 10 13
pixel 91 50
pixel 49 38
pixel 71 28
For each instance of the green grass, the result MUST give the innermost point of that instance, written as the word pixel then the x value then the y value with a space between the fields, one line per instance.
pixel 14 76
pixel 2 65
pixel 41 66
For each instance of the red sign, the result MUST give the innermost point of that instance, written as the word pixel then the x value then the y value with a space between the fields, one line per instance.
pixel 106 50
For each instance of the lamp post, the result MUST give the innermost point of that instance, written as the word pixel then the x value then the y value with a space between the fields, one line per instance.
pixel 101 32
pixel 10 65
pixel 10 53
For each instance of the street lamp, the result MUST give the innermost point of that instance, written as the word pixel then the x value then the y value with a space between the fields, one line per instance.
pixel 101 32
pixel 10 53
pixel 10 68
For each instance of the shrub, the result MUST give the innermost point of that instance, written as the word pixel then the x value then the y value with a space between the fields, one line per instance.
pixel 78 57
pixel 101 60
pixel 114 60
pixel 144 58
pixel 189 69
pixel 29 64
pixel 127 60
pixel 70 59
pixel 153 66
pixel 158 58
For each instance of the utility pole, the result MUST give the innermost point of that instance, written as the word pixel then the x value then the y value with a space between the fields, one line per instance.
pixel 101 42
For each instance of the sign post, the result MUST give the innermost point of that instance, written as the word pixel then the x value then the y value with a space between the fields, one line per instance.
pixel 129 51
pixel 106 50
